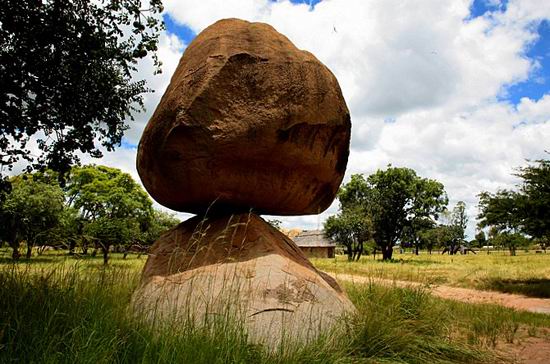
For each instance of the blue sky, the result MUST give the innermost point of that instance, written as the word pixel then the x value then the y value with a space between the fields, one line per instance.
pixel 538 83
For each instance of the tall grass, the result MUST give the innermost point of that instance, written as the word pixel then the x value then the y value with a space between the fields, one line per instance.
pixel 71 314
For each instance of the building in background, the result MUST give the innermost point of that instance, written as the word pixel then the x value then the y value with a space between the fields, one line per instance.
pixel 314 244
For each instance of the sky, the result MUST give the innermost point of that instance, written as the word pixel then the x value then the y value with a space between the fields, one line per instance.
pixel 458 90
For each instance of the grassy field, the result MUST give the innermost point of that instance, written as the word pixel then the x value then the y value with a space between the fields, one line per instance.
pixel 58 309
pixel 526 273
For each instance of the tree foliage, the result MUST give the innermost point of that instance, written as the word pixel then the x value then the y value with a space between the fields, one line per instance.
pixel 526 211
pixel 113 206
pixel 66 70
pixel 99 206
pixel 459 220
pixel 351 228
pixel 29 212
pixel 393 200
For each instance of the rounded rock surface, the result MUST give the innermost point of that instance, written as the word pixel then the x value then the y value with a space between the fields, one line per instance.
pixel 239 267
pixel 248 121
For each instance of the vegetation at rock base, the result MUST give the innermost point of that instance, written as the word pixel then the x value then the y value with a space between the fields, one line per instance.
pixel 64 310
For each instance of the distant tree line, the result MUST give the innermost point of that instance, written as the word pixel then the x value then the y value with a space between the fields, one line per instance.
pixel 396 207
pixel 98 208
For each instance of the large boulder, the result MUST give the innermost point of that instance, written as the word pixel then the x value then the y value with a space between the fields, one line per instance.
pixel 248 121
pixel 239 268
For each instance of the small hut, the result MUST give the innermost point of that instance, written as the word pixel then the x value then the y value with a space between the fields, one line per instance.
pixel 314 244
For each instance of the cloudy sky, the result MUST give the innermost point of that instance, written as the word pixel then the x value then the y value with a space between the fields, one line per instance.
pixel 457 90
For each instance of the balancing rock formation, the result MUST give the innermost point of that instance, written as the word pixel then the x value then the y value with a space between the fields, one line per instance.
pixel 249 124
pixel 248 121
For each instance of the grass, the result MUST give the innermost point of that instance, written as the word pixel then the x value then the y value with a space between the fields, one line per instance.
pixel 62 310
pixel 526 273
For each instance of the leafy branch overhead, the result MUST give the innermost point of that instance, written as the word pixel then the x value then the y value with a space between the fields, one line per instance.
pixel 67 70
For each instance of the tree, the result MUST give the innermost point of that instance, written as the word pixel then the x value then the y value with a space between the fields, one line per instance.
pixel 114 208
pixel 66 70
pixel 511 241
pixel 454 233
pixel 159 224
pixel 535 200
pixel 435 237
pixel 481 239
pixel 526 210
pixel 277 224
pixel 29 211
pixel 351 228
pixel 459 220
pixel 392 200
pixel 501 210
pixel 414 232
pixel 108 231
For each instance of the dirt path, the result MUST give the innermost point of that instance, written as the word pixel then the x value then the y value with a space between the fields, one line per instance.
pixel 519 302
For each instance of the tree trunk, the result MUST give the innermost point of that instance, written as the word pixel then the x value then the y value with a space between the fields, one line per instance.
pixel 513 251
pixel 15 254
pixel 84 246
pixel 29 251
pixel 360 251
pixel 416 250
pixel 387 252
pixel 105 255
pixel 349 252
pixel 72 246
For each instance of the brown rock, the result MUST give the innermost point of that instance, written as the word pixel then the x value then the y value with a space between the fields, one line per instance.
pixel 243 268
pixel 248 121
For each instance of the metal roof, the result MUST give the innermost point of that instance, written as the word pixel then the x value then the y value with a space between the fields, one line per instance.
pixel 313 239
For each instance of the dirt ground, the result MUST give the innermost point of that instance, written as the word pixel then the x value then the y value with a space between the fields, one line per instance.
pixel 516 301
pixel 529 351
pixel 532 350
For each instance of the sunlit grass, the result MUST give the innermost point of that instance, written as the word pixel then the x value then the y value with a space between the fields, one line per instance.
pixel 497 271
pixel 61 309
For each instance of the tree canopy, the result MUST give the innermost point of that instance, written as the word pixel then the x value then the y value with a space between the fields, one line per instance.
pixel 114 207
pixel 32 208
pixel 524 211
pixel 99 206
pixel 392 200
pixel 67 73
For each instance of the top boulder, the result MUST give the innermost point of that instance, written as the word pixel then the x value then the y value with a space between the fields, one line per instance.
pixel 248 121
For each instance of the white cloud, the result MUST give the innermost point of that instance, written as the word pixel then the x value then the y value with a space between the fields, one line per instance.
pixel 434 74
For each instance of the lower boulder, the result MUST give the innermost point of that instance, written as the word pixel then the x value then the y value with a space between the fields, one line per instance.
pixel 239 268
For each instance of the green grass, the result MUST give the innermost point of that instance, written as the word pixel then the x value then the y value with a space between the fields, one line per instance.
pixel 526 273
pixel 533 287
pixel 63 310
